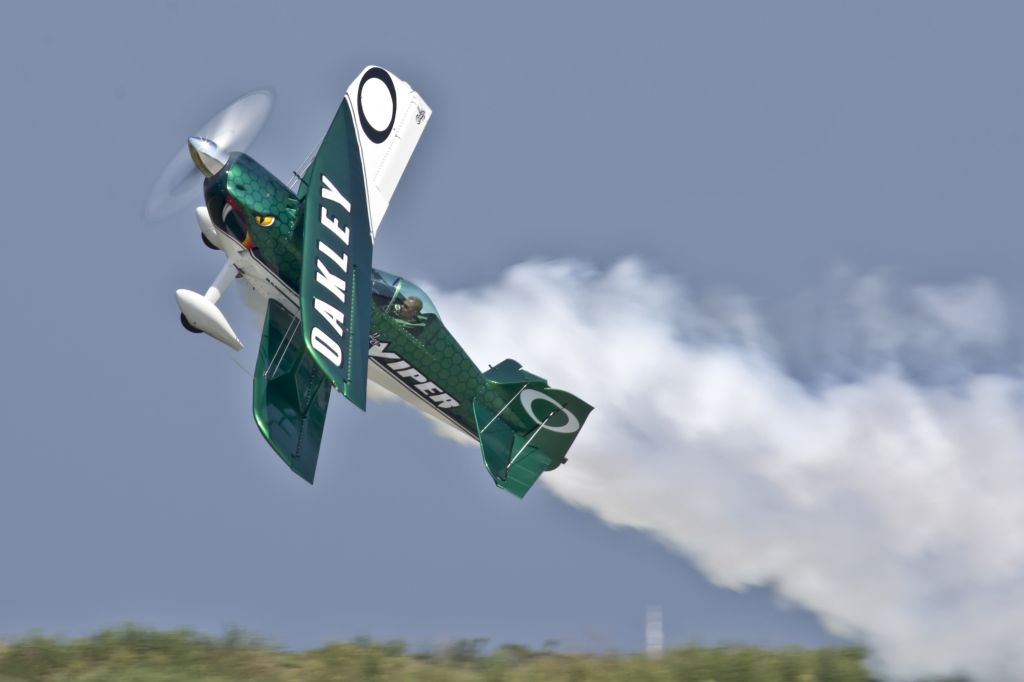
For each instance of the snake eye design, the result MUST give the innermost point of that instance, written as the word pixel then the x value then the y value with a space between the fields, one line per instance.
pixel 264 220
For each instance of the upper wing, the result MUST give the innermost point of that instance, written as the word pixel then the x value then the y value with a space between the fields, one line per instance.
pixel 391 118
pixel 347 190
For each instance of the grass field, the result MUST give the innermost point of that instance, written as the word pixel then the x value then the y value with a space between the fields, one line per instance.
pixel 140 655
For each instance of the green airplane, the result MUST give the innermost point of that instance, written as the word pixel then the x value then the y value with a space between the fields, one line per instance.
pixel 333 321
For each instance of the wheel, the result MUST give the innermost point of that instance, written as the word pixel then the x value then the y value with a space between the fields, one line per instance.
pixel 185 323
pixel 208 243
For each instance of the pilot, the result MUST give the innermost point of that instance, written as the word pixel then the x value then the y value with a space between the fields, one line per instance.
pixel 408 313
pixel 409 309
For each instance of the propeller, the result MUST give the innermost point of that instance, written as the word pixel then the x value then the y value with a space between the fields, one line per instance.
pixel 233 129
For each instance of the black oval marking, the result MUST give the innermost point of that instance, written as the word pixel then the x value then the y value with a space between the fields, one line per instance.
pixel 377 136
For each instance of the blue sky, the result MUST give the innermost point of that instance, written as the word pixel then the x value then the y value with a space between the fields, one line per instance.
pixel 740 146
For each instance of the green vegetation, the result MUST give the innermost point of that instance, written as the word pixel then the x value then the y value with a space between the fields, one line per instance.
pixel 139 655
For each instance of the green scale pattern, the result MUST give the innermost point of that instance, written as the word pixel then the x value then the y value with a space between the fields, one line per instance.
pixel 260 193
pixel 434 352
pixel 440 358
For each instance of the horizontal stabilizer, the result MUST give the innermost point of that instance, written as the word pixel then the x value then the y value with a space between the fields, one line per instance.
pixel 531 432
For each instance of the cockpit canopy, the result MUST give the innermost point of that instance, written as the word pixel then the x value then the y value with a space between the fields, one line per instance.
pixel 391 291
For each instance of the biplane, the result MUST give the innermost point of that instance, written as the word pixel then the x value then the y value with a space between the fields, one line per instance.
pixel 333 321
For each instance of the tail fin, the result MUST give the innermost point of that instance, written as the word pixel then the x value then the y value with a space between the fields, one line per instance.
pixel 531 432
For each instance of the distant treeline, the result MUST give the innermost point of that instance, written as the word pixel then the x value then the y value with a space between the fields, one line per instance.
pixel 144 655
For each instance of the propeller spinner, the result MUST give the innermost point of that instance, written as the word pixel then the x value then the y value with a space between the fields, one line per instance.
pixel 206 155
pixel 234 128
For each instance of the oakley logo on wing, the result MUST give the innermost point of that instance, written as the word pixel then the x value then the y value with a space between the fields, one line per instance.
pixel 333 280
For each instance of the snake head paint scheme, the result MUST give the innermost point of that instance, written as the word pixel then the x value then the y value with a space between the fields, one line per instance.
pixel 333 321
pixel 259 211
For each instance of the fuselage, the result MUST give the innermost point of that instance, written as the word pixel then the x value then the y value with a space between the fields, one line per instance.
pixel 332 322
pixel 411 354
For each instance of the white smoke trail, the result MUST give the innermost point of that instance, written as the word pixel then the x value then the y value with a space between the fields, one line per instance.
pixel 892 508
